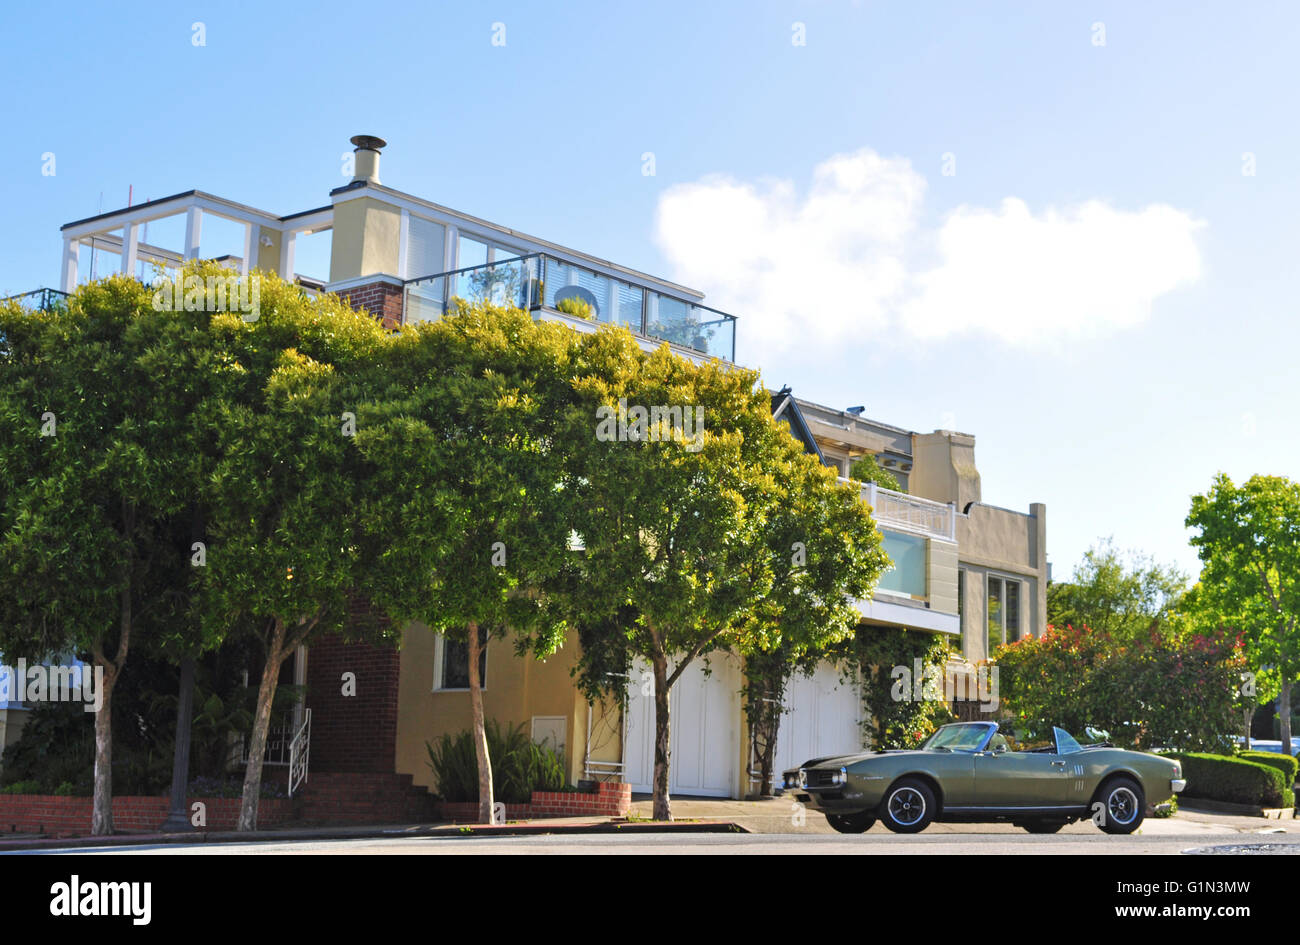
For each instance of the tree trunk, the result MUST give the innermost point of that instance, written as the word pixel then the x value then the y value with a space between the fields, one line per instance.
pixel 485 798
pixel 766 759
pixel 178 817
pixel 275 654
pixel 1284 714
pixel 662 802
pixel 1248 713
pixel 101 819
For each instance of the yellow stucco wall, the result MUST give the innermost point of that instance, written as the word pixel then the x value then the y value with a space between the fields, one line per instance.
pixel 517 689
pixel 268 257
pixel 367 234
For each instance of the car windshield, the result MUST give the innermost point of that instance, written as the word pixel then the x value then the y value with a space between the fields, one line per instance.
pixel 961 736
pixel 1065 743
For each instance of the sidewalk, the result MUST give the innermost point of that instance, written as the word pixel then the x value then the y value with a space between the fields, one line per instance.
pixel 692 815
pixel 549 825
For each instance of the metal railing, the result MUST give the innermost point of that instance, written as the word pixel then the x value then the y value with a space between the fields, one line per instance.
pixel 300 754
pixel 912 513
pixel 41 300
pixel 540 281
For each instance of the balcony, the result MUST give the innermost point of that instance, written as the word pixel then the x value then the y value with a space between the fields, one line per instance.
pixel 919 591
pixel 538 282
pixel 910 513
pixel 40 300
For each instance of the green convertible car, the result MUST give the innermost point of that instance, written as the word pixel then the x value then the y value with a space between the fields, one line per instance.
pixel 970 771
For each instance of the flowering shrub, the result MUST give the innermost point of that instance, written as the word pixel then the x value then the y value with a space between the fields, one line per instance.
pixel 1157 690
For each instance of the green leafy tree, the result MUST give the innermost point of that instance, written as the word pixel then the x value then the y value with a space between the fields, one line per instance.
pixel 1156 690
pixel 824 555
pixel 685 548
pixel 465 500
pixel 1248 540
pixel 1114 595
pixel 95 468
pixel 893 716
pixel 868 469
pixel 286 552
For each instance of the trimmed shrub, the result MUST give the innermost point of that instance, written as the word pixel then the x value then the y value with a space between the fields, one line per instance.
pixel 1284 763
pixel 1234 780
pixel 519 765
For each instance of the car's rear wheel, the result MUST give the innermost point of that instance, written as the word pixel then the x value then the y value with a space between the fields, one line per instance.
pixel 851 823
pixel 1119 806
pixel 908 807
pixel 1043 826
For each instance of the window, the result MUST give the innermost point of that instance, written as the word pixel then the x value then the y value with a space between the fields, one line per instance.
pixel 424 248
pixel 908 573
pixel 961 606
pixel 1003 611
pixel 451 662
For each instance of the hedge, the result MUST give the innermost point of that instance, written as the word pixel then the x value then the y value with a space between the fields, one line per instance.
pixel 1284 763
pixel 1235 780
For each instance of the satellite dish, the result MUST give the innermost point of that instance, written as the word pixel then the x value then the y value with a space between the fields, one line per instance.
pixel 578 292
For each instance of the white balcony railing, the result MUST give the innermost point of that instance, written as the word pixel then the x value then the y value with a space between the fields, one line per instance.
pixel 909 512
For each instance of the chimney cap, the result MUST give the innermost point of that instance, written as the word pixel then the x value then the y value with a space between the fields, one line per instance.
pixel 368 142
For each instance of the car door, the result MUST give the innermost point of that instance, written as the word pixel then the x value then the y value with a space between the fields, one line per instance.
pixel 1005 778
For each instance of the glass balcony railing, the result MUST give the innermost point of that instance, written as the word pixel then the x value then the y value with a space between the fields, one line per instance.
pixel 41 300
pixel 909 512
pixel 539 281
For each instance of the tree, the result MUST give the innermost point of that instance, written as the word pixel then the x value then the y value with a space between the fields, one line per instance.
pixel 868 469
pixel 895 718
pixel 823 556
pixel 285 547
pixel 94 471
pixel 466 498
pixel 1159 689
pixel 679 475
pixel 1248 541
pixel 1114 594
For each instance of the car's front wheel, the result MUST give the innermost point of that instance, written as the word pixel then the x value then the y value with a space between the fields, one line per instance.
pixel 851 823
pixel 908 807
pixel 1119 806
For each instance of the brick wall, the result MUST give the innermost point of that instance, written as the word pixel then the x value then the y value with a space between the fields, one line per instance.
pixel 358 732
pixel 381 299
pixel 71 816
pixel 610 800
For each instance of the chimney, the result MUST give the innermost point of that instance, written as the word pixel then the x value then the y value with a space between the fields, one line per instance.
pixel 366 165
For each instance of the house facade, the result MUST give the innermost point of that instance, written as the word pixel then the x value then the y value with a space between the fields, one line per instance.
pixel 972 572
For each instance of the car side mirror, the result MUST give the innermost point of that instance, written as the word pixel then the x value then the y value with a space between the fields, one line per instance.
pixel 999 749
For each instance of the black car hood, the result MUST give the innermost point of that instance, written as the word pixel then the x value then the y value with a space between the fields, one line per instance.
pixel 842 760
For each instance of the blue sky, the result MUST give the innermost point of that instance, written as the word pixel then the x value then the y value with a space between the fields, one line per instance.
pixel 1102 292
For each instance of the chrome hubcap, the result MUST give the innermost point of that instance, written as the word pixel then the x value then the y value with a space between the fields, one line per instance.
pixel 1122 805
pixel 906 806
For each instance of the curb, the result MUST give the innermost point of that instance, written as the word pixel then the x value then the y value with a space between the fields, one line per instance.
pixel 1201 805
pixel 447 831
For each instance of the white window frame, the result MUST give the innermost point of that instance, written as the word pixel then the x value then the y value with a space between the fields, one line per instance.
pixel 439 655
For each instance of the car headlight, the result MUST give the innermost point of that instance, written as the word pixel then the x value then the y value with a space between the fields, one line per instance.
pixel 802 778
pixel 840 777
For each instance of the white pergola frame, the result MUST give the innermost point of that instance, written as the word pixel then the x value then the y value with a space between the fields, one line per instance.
pixel 99 231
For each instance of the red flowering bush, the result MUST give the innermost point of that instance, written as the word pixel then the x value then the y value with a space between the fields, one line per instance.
pixel 1157 690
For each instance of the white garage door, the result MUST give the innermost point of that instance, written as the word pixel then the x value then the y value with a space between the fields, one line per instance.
pixel 704 735
pixel 822 717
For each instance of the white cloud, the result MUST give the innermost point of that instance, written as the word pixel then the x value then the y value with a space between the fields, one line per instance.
pixel 849 259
